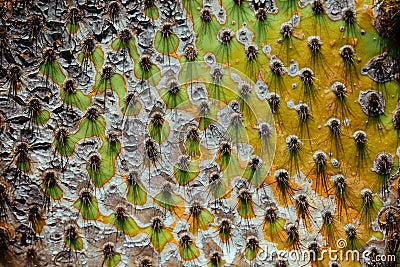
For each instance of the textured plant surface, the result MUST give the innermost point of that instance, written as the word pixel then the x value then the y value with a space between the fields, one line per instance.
pixel 199 133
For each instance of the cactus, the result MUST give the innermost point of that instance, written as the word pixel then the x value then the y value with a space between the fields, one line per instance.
pixel 194 133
